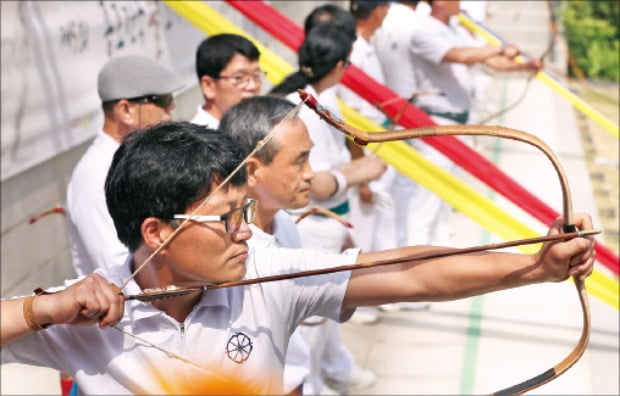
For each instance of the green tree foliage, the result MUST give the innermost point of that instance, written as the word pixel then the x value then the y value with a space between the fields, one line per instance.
pixel 593 37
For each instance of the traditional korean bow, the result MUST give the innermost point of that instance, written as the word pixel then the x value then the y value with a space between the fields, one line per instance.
pixel 363 138
pixel 360 137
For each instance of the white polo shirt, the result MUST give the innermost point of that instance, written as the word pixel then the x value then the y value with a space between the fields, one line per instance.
pixel 431 41
pixel 392 43
pixel 205 118
pixel 92 236
pixel 285 235
pixel 364 56
pixel 237 335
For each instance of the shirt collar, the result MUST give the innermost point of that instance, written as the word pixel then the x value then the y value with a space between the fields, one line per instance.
pixel 140 310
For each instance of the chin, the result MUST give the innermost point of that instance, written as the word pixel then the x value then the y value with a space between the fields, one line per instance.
pixel 239 271
pixel 301 203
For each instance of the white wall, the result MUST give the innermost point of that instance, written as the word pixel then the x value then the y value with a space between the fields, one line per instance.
pixel 51 53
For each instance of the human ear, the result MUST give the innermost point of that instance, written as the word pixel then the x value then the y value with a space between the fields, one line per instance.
pixel 254 168
pixel 207 86
pixel 123 113
pixel 155 232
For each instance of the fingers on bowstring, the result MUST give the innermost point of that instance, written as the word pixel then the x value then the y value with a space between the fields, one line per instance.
pixel 115 307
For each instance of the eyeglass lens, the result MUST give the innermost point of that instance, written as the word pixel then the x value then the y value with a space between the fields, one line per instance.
pixel 236 217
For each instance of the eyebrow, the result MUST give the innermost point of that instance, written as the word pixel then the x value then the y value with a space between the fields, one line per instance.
pixel 303 154
pixel 233 203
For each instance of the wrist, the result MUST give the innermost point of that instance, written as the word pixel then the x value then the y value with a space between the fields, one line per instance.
pixel 33 316
pixel 36 317
pixel 341 182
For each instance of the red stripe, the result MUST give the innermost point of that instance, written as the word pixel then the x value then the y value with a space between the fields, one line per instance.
pixel 285 30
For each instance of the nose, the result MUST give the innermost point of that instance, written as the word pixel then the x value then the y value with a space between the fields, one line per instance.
pixel 167 116
pixel 308 173
pixel 243 233
pixel 254 85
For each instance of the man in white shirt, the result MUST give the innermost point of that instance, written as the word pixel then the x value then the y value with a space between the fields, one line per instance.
pixel 228 71
pixel 181 229
pixel 279 177
pixel 135 92
pixel 373 218
pixel 442 55
pixel 392 43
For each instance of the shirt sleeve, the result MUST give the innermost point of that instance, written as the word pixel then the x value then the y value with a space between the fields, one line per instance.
pixel 429 45
pixel 307 296
pixel 93 238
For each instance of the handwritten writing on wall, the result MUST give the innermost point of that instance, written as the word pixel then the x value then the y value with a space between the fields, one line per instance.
pixel 51 53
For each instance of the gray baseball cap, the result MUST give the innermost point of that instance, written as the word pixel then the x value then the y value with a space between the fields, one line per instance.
pixel 133 76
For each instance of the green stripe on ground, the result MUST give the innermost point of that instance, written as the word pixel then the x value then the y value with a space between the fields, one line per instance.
pixel 472 343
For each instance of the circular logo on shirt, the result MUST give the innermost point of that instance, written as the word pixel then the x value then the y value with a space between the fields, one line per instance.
pixel 239 347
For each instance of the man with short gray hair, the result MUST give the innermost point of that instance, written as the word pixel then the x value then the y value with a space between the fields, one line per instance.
pixel 279 177
pixel 135 92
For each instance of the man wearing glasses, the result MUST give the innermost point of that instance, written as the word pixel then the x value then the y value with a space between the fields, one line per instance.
pixel 227 69
pixel 135 92
pixel 229 340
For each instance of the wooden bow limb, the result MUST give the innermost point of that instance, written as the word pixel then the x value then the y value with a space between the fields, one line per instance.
pixel 363 138
pixel 324 212
pixel 175 291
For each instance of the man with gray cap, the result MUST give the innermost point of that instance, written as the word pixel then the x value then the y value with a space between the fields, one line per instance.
pixel 135 92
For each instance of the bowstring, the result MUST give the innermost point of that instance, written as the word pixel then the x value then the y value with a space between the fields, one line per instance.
pixel 207 199
pixel 547 52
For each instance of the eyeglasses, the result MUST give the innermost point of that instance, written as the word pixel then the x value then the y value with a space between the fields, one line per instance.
pixel 233 219
pixel 163 101
pixel 241 80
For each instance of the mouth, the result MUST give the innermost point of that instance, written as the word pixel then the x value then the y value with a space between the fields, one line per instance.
pixel 240 256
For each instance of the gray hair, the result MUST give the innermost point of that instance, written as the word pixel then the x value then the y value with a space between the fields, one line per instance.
pixel 252 119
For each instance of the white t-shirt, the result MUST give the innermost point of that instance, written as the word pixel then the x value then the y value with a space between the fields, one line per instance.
pixel 392 43
pixel 364 56
pixel 205 118
pixel 451 81
pixel 285 235
pixel 240 333
pixel 92 236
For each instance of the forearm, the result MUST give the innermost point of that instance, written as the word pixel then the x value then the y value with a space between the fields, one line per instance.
pixel 439 279
pixel 471 55
pixel 324 186
pixel 361 170
pixel 13 318
pixel 504 64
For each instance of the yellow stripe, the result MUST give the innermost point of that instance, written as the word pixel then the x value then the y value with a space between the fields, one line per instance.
pixel 212 22
pixel 398 154
pixel 573 99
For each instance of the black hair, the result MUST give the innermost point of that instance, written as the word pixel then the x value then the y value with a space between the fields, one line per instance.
pixel 215 52
pixel 252 119
pixel 330 14
pixel 362 9
pixel 162 170
pixel 322 49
